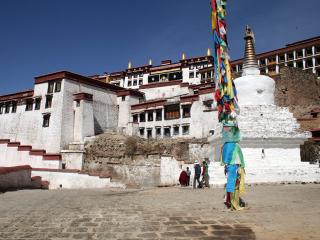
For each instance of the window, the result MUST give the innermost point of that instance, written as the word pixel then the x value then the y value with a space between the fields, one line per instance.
pixel 176 130
pixel 14 107
pixel 141 132
pixel 299 54
pixel 262 62
pixel 191 75
pixel 135 118
pixel 7 108
pixel 309 51
pixel 175 76
pixel 234 68
pixel 281 58
pixel 159 115
pixel 1 108
pixel 123 98
pixel 78 103
pixel 208 104
pixel 185 130
pixel 158 131
pixel 149 133
pixel 150 116
pixel 140 82
pixel 164 77
pixel 48 101
pixel 58 86
pixel 29 104
pixel 317 48
pixel 50 87
pixel 318 61
pixel 272 60
pixel 309 63
pixel 129 83
pixel 142 117
pixel 290 64
pixel 135 83
pixel 290 56
pixel 167 132
pixel 46 120
pixel 186 111
pixel 172 112
pixel 37 104
pixel 191 67
pixel 154 78
pixel 299 64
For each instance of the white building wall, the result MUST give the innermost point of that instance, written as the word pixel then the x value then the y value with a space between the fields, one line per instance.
pixel 125 111
pixel 26 126
pixel 104 109
pixel 164 92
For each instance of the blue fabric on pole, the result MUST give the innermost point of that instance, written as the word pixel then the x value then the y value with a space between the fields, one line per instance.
pixel 227 152
pixel 232 171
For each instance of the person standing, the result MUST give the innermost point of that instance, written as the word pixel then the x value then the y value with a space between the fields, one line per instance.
pixel 205 174
pixel 188 174
pixel 197 174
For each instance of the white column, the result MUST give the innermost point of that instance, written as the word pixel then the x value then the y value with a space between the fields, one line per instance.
pixel 285 59
pixel 314 65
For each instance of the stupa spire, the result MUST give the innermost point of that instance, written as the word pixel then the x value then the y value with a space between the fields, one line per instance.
pixel 250 63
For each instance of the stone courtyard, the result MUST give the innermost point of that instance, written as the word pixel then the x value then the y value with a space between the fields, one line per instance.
pixel 274 212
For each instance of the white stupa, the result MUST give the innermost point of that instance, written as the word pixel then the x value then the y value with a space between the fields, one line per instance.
pixel 253 88
pixel 271 136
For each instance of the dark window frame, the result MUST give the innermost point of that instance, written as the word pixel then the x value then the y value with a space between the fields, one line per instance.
pixel 37 105
pixel 57 87
pixel 49 99
pixel 50 87
pixel 46 120
pixel 14 105
pixel 29 104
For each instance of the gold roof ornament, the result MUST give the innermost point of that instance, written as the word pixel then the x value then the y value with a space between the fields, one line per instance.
pixel 129 65
pixel 250 60
pixel 150 62
pixel 209 52
pixel 184 56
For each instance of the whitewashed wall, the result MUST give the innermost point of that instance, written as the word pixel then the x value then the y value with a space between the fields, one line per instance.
pixel 164 92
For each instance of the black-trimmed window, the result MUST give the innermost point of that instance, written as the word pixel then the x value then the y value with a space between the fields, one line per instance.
pixel 308 51
pixel 140 81
pixel 167 132
pixel 154 78
pixel 159 115
pixel 150 116
pixel 57 87
pixel 158 131
pixel 309 63
pixel 186 130
pixel 175 76
pixel 142 117
pixel 176 130
pixel 186 111
pixel 7 107
pixel 29 104
pixel 299 53
pixel 282 58
pixel 50 87
pixel 46 120
pixel 141 132
pixel 1 108
pixel 149 133
pixel 129 83
pixel 48 101
pixel 14 107
pixel 37 104
pixel 123 98
pixel 135 118
pixel 290 56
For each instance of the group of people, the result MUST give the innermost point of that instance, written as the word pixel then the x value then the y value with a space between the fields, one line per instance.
pixel 200 178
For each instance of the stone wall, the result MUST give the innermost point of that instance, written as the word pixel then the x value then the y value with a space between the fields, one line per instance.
pixel 297 89
pixel 310 152
pixel 15 177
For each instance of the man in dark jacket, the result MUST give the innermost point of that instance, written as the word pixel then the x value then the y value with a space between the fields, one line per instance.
pixel 205 174
pixel 197 174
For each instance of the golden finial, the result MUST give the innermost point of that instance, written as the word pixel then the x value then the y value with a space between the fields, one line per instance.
pixel 129 65
pixel 209 52
pixel 150 62
pixel 184 56
pixel 250 60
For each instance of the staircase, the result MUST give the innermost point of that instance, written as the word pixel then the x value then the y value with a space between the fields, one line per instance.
pixel 48 166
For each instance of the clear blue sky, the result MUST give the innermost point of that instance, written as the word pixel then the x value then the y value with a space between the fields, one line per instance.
pixel 91 37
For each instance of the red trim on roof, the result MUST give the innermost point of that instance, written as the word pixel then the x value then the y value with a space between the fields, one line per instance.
pixel 189 98
pixel 83 96
pixel 149 104
pixel 51 157
pixel 17 95
pixel 77 78
pixel 206 90
pixel 24 148
pixel 130 92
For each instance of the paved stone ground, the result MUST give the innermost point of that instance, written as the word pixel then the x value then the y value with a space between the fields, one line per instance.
pixel 275 212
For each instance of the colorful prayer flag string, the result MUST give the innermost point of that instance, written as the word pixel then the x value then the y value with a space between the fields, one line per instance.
pixel 226 95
